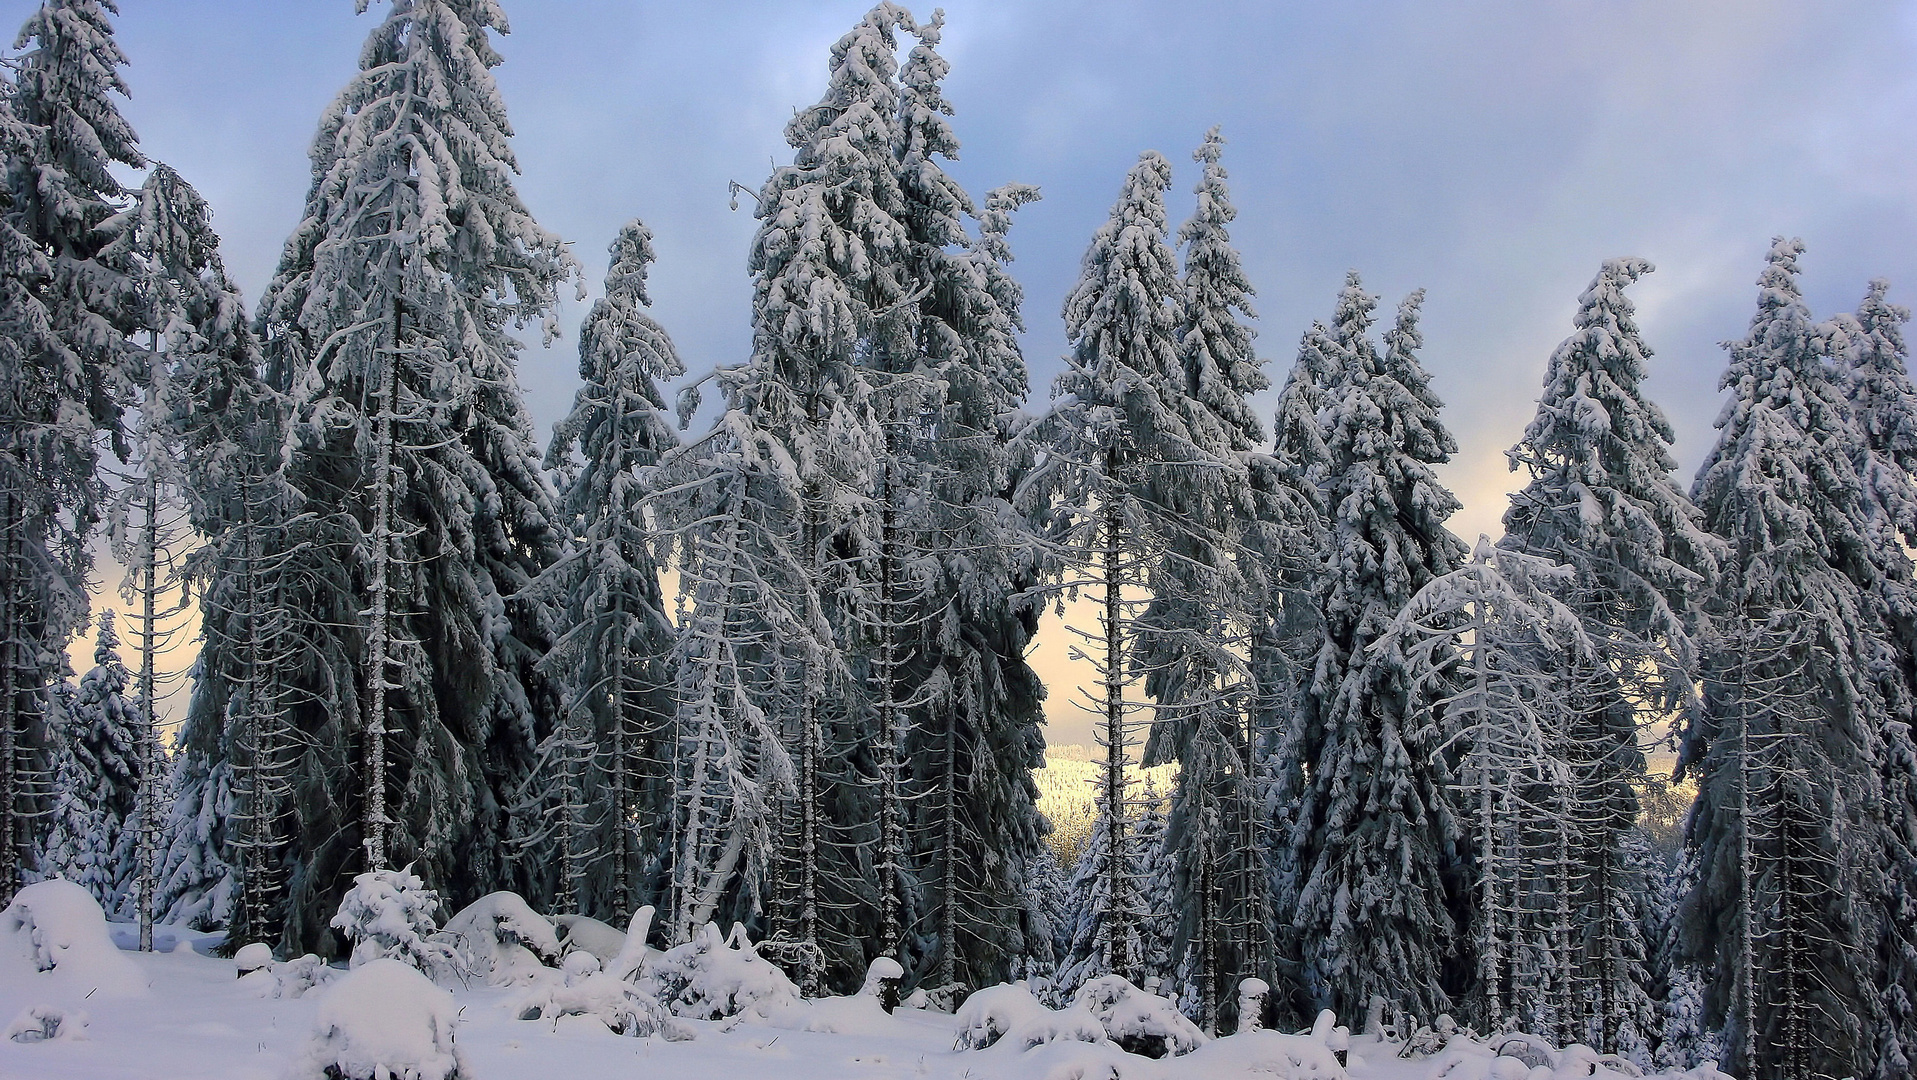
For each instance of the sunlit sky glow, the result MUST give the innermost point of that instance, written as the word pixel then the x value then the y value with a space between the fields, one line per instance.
pixel 1493 153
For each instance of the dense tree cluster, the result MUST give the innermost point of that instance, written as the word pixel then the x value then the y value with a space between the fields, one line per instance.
pixel 774 672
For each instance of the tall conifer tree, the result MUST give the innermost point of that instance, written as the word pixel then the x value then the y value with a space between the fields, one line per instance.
pixel 1375 839
pixel 388 326
pixel 1785 745
pixel 1602 500
pixel 611 659
pixel 65 359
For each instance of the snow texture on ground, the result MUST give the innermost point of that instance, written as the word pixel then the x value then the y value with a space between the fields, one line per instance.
pixel 190 1018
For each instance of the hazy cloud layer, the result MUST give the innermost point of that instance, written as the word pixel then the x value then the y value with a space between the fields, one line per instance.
pixel 1494 153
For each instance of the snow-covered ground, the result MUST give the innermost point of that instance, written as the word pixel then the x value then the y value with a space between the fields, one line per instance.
pixel 110 1014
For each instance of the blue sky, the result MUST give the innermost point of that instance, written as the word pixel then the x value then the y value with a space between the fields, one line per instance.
pixel 1493 153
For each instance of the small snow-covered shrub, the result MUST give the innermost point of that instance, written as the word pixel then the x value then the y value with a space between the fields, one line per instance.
pixel 945 999
pixel 1008 1016
pixel 987 1015
pixel 1518 1056
pixel 586 990
pixel 384 1021
pixel 1140 1023
pixel 56 927
pixel 712 977
pixel 46 1023
pixel 882 978
pixel 290 979
pixel 250 958
pixel 501 938
pixel 388 914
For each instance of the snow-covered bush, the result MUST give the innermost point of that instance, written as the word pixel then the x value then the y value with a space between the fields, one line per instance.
pixel 1009 1016
pixel 57 927
pixel 389 914
pixel 712 977
pixel 587 990
pixel 501 938
pixel 290 979
pixel 1518 1056
pixel 634 957
pixel 384 1021
pixel 45 1023
pixel 987 1015
pixel 589 935
pixel 1140 1023
pixel 1252 993
pixel 250 958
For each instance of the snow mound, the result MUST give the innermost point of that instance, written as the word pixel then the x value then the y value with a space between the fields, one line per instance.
pixel 1073 1060
pixel 863 1013
pixel 48 1023
pixel 502 939
pixel 388 914
pixel 383 1021
pixel 253 957
pixel 589 935
pixel 987 1016
pixel 1266 1055
pixel 712 977
pixel 55 930
pixel 1140 1023
pixel 289 980
pixel 1517 1056
pixel 616 1005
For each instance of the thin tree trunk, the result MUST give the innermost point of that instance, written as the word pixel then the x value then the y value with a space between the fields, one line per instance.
pixel 149 734
pixel 891 824
pixel 10 687
pixel 375 821
pixel 1118 928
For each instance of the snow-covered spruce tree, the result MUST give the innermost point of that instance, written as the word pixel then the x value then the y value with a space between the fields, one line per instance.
pixel 611 658
pixel 1195 632
pixel 1883 405
pixel 749 623
pixel 1375 835
pixel 954 562
pixel 1683 1037
pixel 1282 554
pixel 828 308
pixel 1785 746
pixel 1602 500
pixel 1485 646
pixel 66 314
pixel 976 826
pixel 388 326
pixel 1121 479
pixel 220 841
pixel 763 508
pixel 97 782
pixel 166 245
pixel 1158 899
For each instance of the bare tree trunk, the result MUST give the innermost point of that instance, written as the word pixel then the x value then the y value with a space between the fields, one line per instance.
pixel 374 819
pixel 891 809
pixel 149 731
pixel 11 687
pixel 1118 919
